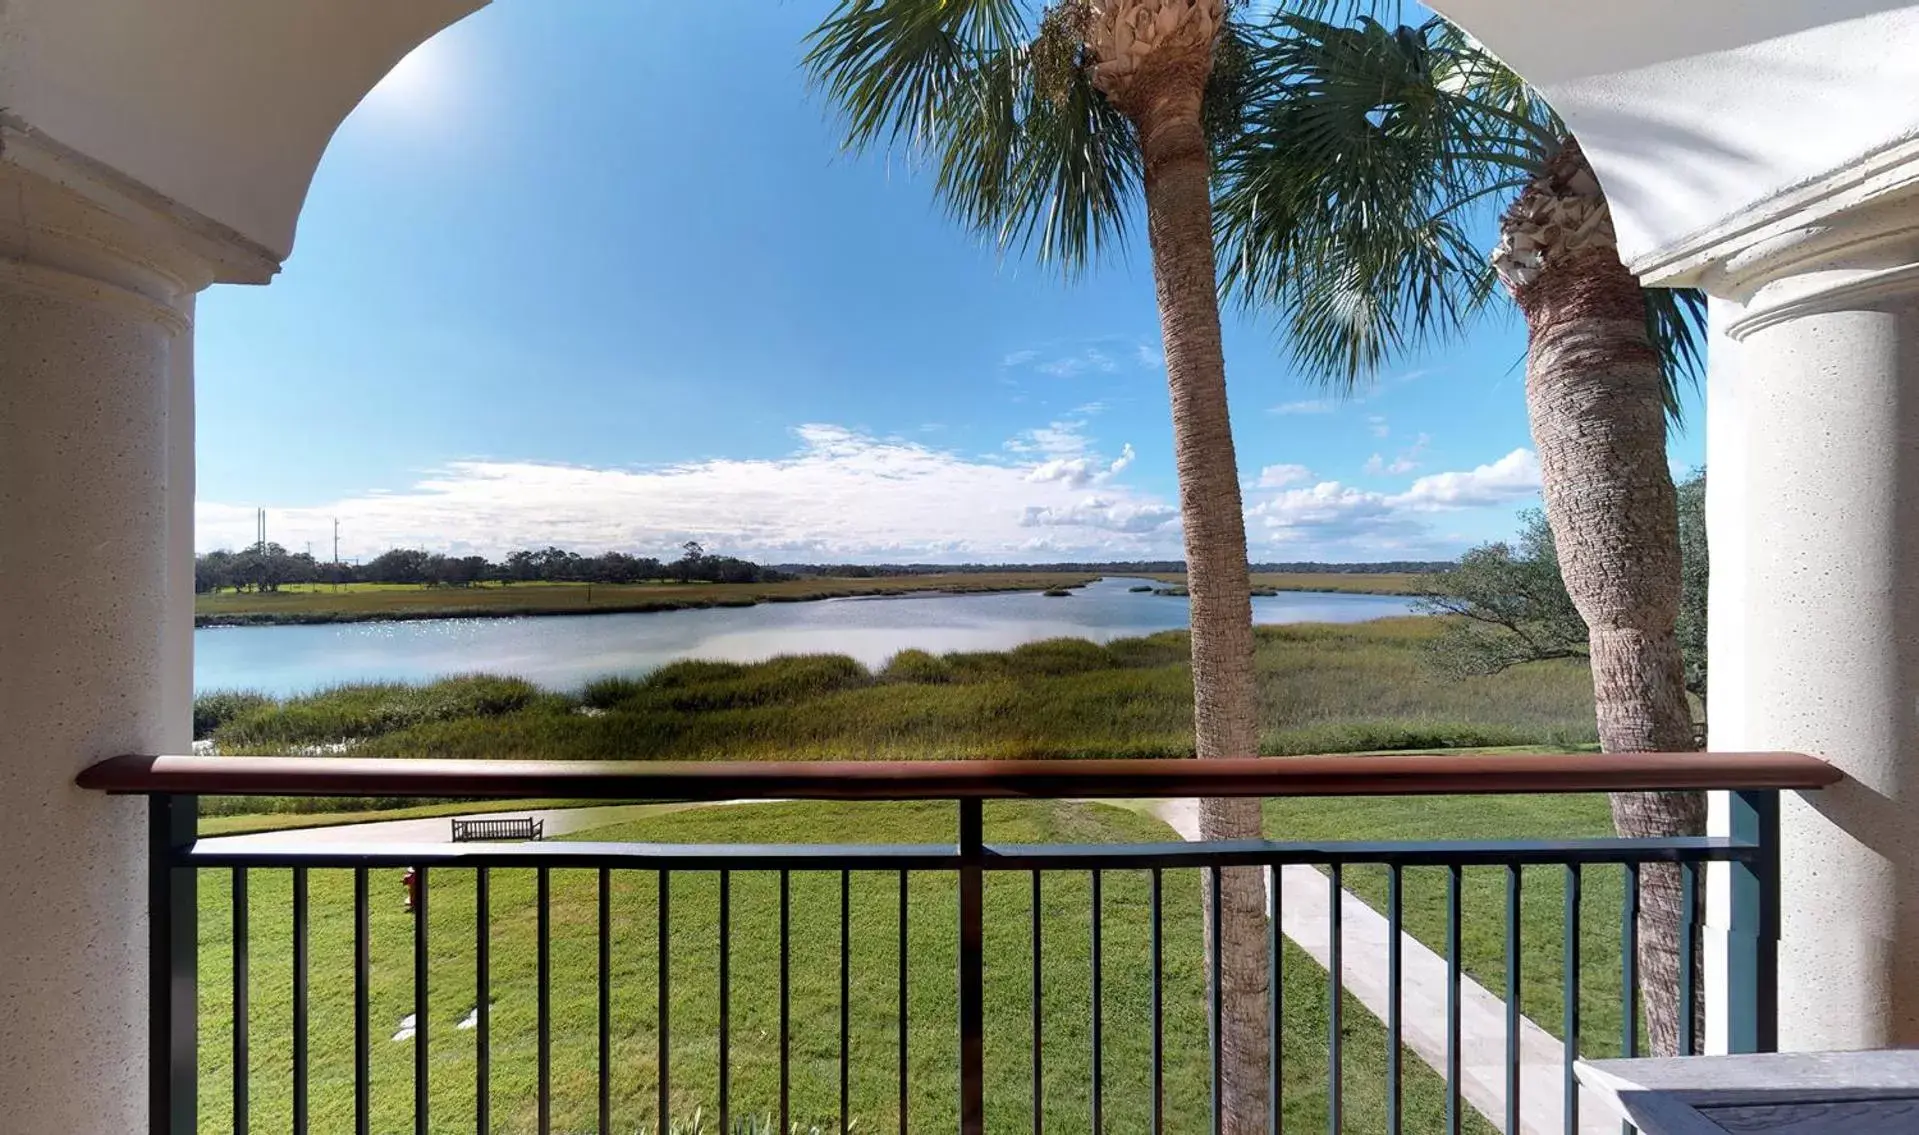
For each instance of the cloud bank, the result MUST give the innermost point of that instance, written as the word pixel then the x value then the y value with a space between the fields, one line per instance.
pixel 845 495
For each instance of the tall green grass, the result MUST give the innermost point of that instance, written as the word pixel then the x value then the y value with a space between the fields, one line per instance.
pixel 1322 688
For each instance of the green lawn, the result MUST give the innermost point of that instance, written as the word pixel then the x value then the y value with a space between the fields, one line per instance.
pixel 1483 893
pixel 931 1061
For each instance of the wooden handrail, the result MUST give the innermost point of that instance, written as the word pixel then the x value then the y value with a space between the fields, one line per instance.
pixel 1392 775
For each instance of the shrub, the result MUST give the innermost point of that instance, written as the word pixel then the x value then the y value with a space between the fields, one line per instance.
pixel 916 666
pixel 214 709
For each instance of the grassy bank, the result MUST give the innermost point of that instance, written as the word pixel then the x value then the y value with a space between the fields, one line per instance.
pixel 931 1060
pixel 1323 688
pixel 367 602
pixel 1353 582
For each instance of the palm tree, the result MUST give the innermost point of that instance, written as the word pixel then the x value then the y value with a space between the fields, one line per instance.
pixel 1044 127
pixel 1371 159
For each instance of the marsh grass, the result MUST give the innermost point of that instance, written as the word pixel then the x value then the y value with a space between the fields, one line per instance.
pixel 1322 688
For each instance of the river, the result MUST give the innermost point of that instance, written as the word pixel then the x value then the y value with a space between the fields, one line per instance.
pixel 564 653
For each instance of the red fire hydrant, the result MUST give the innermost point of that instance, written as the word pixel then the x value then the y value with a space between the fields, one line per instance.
pixel 411 880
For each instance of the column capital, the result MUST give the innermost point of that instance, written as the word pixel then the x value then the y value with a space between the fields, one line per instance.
pixel 74 228
pixel 1846 241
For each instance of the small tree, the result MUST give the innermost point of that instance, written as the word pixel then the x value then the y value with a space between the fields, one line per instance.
pixel 1509 605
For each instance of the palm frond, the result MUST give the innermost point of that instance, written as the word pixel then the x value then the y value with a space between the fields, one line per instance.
pixel 1341 203
pixel 1676 324
pixel 1025 151
pixel 892 64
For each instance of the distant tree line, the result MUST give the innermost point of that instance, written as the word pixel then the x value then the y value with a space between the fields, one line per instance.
pixel 268 567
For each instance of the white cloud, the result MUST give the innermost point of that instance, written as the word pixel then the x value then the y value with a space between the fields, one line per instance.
pixel 1079 472
pixel 1282 476
pixel 1378 426
pixel 841 494
pixel 1331 517
pixel 1512 477
pixel 1081 362
pixel 1407 460
pixel 1018 358
pixel 1064 438
pixel 1103 513
pixel 1309 406
pixel 1148 357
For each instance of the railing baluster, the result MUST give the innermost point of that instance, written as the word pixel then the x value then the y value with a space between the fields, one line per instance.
pixel 300 966
pixel 1099 1101
pixel 1513 879
pixel 846 996
pixel 606 1001
pixel 1629 971
pixel 241 1059
pixel 1039 1014
pixel 786 1001
pixel 972 968
pixel 1688 951
pixel 362 1034
pixel 420 988
pixel 483 1000
pixel 173 967
pixel 1629 963
pixel 1158 1009
pixel 663 1036
pixel 1214 1015
pixel 1336 993
pixel 1274 990
pixel 543 914
pixel 1571 1007
pixel 1453 884
pixel 902 995
pixel 726 997
pixel 1395 1027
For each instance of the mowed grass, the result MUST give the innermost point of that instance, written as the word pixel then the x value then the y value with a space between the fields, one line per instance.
pixel 358 602
pixel 1322 688
pixel 693 951
pixel 1352 582
pixel 1483 898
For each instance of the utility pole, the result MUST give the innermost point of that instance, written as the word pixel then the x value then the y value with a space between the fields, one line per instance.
pixel 336 555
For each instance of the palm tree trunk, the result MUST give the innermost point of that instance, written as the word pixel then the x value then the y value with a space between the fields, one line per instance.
pixel 1179 216
pixel 1595 392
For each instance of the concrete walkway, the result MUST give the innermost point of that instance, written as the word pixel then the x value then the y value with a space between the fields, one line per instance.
pixel 437 829
pixel 1304 916
pixel 1304 908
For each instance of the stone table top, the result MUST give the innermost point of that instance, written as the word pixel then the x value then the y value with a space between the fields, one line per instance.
pixel 1787 1093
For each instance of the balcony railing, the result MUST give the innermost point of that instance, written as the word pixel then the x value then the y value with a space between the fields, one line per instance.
pixel 1139 976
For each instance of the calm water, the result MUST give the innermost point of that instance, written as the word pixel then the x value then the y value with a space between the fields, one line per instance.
pixel 563 653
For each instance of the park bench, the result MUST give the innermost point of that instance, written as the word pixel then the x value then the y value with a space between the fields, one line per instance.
pixel 512 827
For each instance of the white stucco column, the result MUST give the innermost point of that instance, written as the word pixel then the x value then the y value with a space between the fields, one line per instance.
pixel 1813 516
pixel 96 283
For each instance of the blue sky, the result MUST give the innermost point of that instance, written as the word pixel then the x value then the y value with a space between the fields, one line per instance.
pixel 600 274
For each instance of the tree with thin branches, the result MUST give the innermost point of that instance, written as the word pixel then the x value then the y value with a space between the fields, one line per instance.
pixel 1371 160
pixel 1046 128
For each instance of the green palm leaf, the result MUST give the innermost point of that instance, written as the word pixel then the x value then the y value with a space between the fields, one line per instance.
pixel 1356 197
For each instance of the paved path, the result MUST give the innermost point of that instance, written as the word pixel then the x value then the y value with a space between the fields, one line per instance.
pixel 438 829
pixel 1304 910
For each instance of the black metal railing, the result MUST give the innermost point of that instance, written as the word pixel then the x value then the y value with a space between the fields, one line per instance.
pixel 327 1089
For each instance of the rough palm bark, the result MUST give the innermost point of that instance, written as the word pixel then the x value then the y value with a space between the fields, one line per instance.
pixel 1595 393
pixel 1151 59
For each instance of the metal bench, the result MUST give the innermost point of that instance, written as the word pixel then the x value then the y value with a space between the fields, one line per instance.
pixel 512 827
